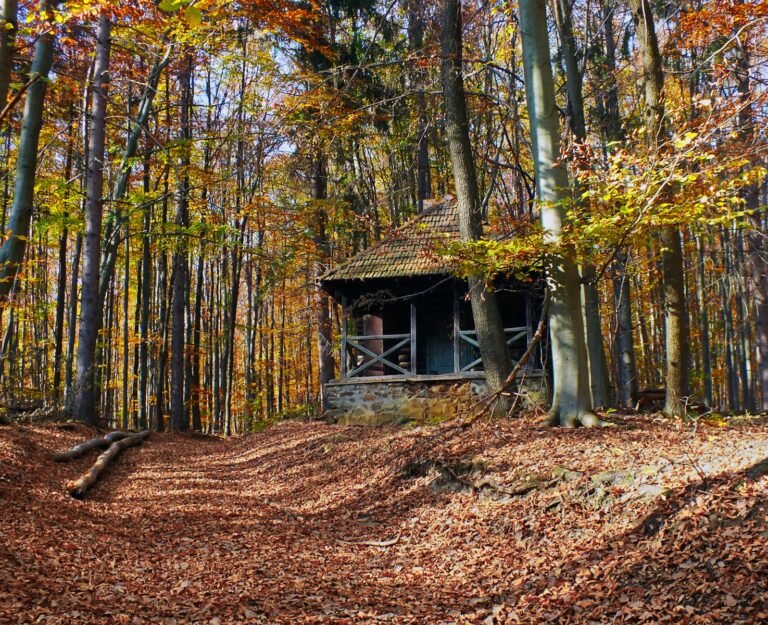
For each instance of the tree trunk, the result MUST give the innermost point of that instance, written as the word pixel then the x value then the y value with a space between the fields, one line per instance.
pixel 85 394
pixel 485 309
pixel 571 398
pixel 319 192
pixel 178 329
pixel 8 27
pixel 675 314
pixel 79 487
pixel 100 442
pixel 624 344
pixel 598 368
pixel 17 229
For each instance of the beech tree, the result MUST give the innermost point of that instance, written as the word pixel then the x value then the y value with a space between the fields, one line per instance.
pixel 571 399
pixel 15 243
pixel 85 398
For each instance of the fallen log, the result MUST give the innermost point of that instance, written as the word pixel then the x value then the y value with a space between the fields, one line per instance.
pixel 100 442
pixel 79 487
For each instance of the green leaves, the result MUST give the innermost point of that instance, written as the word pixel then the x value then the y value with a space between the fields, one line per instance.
pixel 191 14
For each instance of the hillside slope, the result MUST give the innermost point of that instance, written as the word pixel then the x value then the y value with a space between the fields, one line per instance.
pixel 505 522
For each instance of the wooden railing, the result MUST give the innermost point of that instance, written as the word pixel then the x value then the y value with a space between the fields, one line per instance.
pixel 468 336
pixel 355 348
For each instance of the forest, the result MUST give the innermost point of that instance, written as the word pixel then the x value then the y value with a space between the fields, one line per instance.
pixel 176 176
pixel 233 232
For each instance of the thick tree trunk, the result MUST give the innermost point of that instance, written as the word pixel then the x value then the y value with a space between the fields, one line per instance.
pixel 85 406
pixel 17 228
pixel 675 313
pixel 598 368
pixel 485 309
pixel 571 397
pixel 178 305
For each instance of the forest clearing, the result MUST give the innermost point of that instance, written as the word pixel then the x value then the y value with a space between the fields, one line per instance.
pixel 502 522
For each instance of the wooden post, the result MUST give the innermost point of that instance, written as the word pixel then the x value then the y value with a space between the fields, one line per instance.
pixel 344 320
pixel 528 321
pixel 456 330
pixel 413 338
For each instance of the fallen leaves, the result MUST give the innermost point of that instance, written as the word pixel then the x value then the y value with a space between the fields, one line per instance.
pixel 252 529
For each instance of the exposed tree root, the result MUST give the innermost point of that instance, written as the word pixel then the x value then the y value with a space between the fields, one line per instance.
pixel 370 543
pixel 587 419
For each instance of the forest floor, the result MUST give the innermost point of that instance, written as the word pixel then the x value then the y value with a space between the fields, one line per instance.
pixel 651 521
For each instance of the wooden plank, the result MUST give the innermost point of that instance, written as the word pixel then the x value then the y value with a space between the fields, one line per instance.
pixel 456 331
pixel 344 322
pixel 374 337
pixel 413 338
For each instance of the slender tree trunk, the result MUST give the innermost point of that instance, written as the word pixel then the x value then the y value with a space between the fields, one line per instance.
pixel 17 228
pixel 8 27
pixel 319 192
pixel 126 347
pixel 85 405
pixel 757 261
pixel 485 309
pixel 61 290
pixel 571 397
pixel 675 313
pixel 196 336
pixel 706 356
pixel 124 171
pixel 416 44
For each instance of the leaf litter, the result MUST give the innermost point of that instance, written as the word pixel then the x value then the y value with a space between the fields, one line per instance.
pixel 503 522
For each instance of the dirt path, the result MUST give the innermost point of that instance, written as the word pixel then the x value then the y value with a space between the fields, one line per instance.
pixel 200 530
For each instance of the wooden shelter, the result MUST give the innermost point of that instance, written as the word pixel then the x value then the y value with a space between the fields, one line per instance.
pixel 407 319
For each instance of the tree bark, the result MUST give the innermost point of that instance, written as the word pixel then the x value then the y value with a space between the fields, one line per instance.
pixel 100 442
pixel 598 368
pixel 485 310
pixel 675 313
pixel 571 397
pixel 8 27
pixel 85 407
pixel 79 487
pixel 17 228
pixel 178 329
pixel 319 192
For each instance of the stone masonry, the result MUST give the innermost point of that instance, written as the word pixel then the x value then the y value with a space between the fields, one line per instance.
pixel 419 398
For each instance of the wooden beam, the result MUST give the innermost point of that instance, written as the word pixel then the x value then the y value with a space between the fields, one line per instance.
pixel 344 321
pixel 413 338
pixel 456 330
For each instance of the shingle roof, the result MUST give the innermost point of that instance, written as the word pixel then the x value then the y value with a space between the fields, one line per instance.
pixel 405 252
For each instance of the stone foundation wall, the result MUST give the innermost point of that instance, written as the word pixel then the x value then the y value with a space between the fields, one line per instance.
pixel 363 402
